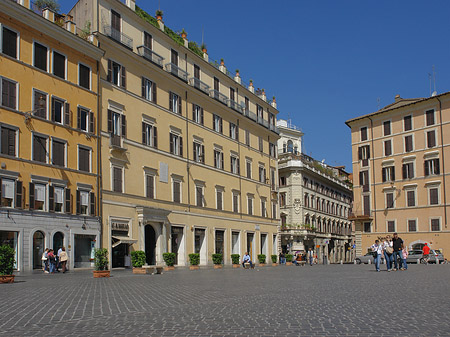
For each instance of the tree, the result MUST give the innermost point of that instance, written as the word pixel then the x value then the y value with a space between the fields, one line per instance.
pixel 51 4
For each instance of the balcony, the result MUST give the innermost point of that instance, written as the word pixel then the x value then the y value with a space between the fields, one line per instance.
pixel 250 115
pixel 273 128
pixel 219 96
pixel 177 71
pixel 150 55
pixel 115 142
pixel 360 215
pixel 196 83
pixel 118 36
pixel 236 106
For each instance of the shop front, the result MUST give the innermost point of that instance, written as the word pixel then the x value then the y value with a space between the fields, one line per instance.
pixel 84 247
pixel 10 239
pixel 120 244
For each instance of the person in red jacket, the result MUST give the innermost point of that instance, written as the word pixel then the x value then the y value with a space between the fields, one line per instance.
pixel 426 253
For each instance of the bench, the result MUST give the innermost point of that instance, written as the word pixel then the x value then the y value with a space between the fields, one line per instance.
pixel 159 270
pixel 154 269
pixel 301 263
pixel 247 265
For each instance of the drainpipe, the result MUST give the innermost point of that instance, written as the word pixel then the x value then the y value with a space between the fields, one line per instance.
pixel 443 160
pixel 99 164
pixel 187 153
pixel 373 173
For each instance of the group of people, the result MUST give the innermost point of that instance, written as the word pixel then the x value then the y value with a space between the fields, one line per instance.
pixel 394 251
pixel 308 257
pixel 51 262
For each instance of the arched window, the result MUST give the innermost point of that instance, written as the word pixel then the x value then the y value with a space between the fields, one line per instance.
pixel 290 146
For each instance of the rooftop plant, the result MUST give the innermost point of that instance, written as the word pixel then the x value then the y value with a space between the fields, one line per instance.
pixel 51 4
pixel 159 12
pixel 147 17
pixel 194 47
pixel 177 38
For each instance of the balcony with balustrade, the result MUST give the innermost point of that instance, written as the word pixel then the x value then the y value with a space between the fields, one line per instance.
pixel 217 95
pixel 118 36
pixel 177 71
pixel 150 55
pixel 198 84
pixel 235 106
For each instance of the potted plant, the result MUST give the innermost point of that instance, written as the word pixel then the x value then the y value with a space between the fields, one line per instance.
pixel 251 83
pixel 274 260
pixel 237 72
pixel 217 260
pixel 194 260
pixel 262 259
pixel 203 47
pixel 101 263
pixel 7 261
pixel 159 15
pixel 235 260
pixel 183 34
pixel 169 259
pixel 138 260
pixel 289 259
pixel 222 62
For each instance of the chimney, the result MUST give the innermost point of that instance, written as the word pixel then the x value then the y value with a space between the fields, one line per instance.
pixel 48 14
pixel 397 98
pixel 131 4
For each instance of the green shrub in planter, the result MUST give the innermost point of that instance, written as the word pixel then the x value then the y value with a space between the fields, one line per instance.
pixel 289 257
pixel 262 258
pixel 194 259
pixel 235 258
pixel 101 259
pixel 138 258
pixel 217 258
pixel 7 260
pixel 169 259
pixel 274 258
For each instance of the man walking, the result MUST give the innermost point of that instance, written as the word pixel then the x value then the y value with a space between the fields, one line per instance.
pixel 426 253
pixel 310 256
pixel 398 258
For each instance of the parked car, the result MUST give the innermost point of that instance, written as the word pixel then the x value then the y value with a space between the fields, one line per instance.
pixel 366 258
pixel 417 256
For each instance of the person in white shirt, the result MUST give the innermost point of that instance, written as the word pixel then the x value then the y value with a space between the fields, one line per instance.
pixel 378 250
pixel 388 249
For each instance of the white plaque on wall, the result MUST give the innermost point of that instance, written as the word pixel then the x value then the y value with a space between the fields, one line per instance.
pixel 163 172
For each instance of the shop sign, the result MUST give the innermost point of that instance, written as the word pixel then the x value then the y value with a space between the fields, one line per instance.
pixel 120 226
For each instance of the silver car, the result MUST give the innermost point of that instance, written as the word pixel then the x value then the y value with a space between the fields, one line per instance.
pixel 366 258
pixel 416 256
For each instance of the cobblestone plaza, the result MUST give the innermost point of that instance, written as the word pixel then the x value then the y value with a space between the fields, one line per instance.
pixel 333 300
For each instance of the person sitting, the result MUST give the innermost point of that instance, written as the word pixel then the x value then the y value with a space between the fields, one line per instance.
pixel 247 259
pixel 298 260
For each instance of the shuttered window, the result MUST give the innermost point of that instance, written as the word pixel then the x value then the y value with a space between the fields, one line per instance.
pixel 40 104
pixel 431 166
pixel 176 144
pixel 8 141
pixel 435 225
pixel 408 170
pixel 59 65
pixel 176 188
pixel 9 93
pixel 39 148
pixel 219 199
pixel 84 76
pixel 412 227
pixel 150 186
pixel 58 153
pixel 387 148
pixel 408 143
pixel 235 202
pixel 391 226
pixel 199 195
pixel 40 56
pixel 407 123
pixel 84 159
pixel 387 128
pixel 366 203
pixel 250 205
pixel 431 139
pixel 363 132
pixel 434 196
pixel 147 40
pixel 174 103
pixel 149 135
pixel 116 74
pixel 148 90
pixel 430 117
pixel 411 198
pixel 117 179
pixel 9 42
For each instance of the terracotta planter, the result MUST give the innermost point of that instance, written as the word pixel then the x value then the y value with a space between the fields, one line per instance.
pixel 274 264
pixel 194 267
pixel 159 17
pixel 169 268
pixel 7 278
pixel 236 265
pixel 204 50
pixel 139 271
pixel 288 263
pixel 262 264
pixel 217 266
pixel 102 273
pixel 184 36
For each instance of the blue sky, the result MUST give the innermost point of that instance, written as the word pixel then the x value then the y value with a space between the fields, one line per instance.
pixel 325 61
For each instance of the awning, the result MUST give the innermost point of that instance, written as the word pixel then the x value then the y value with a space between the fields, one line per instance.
pixel 122 239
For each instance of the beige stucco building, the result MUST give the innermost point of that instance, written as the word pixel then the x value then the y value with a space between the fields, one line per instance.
pixel 188 152
pixel 400 159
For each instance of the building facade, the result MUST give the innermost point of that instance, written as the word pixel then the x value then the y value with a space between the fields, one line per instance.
pixel 400 161
pixel 48 115
pixel 315 200
pixel 188 152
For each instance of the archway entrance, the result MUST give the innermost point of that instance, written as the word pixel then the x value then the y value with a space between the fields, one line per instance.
pixel 150 245
pixel 38 249
pixel 58 241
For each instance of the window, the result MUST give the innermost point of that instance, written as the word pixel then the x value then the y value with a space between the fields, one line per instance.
pixel 150 186
pixel 260 143
pixel 388 173
pixel 263 207
pixel 409 143
pixel 60 111
pixel 363 132
pixel 431 166
pixel 38 196
pixel 117 182
pixel 366 204
pixel 115 22
pixel 9 93
pixel 199 152
pixel 412 226
pixel 234 163
pixel 85 120
pixel 7 189
pixel 196 75
pixel 272 150
pixel 387 128
pixel 8 141
pixel 408 170
pixel 388 147
pixel 435 225
pixel 117 124
pixel 84 76
pixel 431 138
pixel 247 105
pixel 259 113
pixel 84 159
pixel 148 40
pixel 262 174
pixel 367 227
pixel 39 104
pixel 235 202
pixel 282 199
pixel 218 159
pixel 364 154
pixel 59 65
pixel 219 198
pixel 40 148
pixel 250 205
pixel 200 200
pixel 83 200
pixel 273 178
pixel 40 56
pixel 433 195
pixel 176 144
pixel 197 114
pixel 58 152
pixel 116 74
pixel 174 103
pixel 248 165
pixel 9 42
pixel 390 200
pixel 149 90
pixel 234 131
pixel 232 94
pixel 410 198
pixel 176 191
pixel 247 137
pixel 149 135
pixel 391 226
pixel 274 210
pixel 364 180
pixel 430 117
pixel 217 123
pixel 407 123
pixel 283 181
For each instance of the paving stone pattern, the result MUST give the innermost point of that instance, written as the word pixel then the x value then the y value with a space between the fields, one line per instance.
pixel 334 300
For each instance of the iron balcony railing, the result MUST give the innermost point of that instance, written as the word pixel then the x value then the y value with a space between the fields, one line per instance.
pixel 273 128
pixel 177 71
pixel 250 115
pixel 235 106
pixel 118 36
pixel 116 141
pixel 219 96
pixel 150 55
pixel 196 83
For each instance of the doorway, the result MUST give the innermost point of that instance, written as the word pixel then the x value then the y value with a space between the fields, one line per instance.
pixel 38 249
pixel 200 245
pixel 177 242
pixel 220 243
pixel 58 241
pixel 250 238
pixel 150 245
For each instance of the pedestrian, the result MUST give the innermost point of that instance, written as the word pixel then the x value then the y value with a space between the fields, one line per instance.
pixel 397 244
pixel 404 256
pixel 247 259
pixel 51 261
pixel 388 251
pixel 377 249
pixel 45 261
pixel 63 257
pixel 310 256
pixel 58 260
pixel 426 253
pixel 282 258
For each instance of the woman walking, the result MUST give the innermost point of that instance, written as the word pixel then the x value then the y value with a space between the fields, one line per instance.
pixel 388 248
pixel 51 261
pixel 377 249
pixel 63 258
pixel 45 260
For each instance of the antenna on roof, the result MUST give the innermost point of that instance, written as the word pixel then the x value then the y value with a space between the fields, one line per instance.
pixel 378 103
pixel 159 4
pixel 432 77
pixel 202 35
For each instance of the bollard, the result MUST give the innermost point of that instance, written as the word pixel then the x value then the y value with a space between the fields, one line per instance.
pixel 418 261
pixel 342 262
pixel 369 262
pixel 354 261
